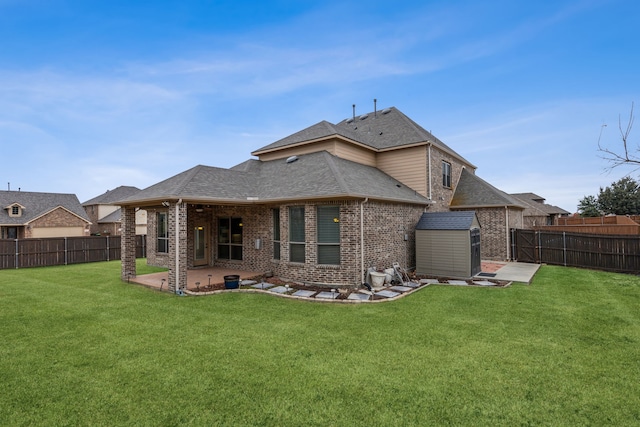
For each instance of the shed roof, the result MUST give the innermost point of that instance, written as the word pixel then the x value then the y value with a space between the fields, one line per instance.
pixel 453 220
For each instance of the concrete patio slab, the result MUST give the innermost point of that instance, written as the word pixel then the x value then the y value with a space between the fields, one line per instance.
pixel 400 288
pixel 303 293
pixel 388 294
pixel 522 272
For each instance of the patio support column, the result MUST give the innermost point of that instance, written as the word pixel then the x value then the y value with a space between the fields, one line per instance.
pixel 177 246
pixel 128 242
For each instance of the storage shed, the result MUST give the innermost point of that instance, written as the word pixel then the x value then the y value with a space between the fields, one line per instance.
pixel 448 244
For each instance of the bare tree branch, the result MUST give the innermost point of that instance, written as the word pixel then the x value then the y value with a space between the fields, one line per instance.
pixel 627 157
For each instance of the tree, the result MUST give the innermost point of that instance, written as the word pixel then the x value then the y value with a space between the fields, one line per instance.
pixel 621 198
pixel 588 206
pixel 628 156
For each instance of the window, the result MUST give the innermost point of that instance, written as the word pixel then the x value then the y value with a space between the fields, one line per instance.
pixel 230 238
pixel 163 233
pixel 446 174
pixel 15 210
pixel 276 234
pixel 296 234
pixel 328 228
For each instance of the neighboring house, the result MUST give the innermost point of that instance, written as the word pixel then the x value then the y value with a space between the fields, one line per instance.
pixel 105 216
pixel 537 212
pixel 33 215
pixel 321 205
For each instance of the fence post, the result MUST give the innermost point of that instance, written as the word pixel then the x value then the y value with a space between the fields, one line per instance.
pixel 564 247
pixel 66 259
pixel 539 246
pixel 17 253
pixel 107 237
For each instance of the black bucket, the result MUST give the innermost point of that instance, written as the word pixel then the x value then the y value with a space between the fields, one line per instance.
pixel 232 281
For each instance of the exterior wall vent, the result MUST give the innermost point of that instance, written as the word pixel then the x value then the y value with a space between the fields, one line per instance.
pixel 292 159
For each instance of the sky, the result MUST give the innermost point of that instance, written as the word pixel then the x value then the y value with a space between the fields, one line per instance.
pixel 99 94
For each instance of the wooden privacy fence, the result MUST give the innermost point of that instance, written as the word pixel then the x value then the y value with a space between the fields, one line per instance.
pixel 21 253
pixel 602 252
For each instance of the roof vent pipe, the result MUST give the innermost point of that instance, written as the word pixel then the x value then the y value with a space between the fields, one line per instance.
pixel 354 111
pixel 375 108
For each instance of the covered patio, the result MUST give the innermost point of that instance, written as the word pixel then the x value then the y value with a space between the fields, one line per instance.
pixel 203 276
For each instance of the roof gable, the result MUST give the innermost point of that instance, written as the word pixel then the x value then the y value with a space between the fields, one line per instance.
pixel 473 191
pixel 379 130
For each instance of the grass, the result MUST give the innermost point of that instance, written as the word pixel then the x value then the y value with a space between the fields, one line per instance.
pixel 79 347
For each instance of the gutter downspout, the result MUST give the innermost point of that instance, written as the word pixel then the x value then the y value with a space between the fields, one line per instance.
pixel 363 276
pixel 506 214
pixel 429 169
pixel 177 245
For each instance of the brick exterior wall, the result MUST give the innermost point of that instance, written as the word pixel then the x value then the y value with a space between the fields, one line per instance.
pixel 178 246
pixel 441 195
pixel 58 217
pixel 495 231
pixel 128 244
pixel 385 228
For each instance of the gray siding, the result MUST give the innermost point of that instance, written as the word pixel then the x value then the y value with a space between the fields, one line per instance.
pixel 443 253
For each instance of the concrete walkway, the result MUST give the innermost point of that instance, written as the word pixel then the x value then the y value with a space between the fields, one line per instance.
pixel 515 272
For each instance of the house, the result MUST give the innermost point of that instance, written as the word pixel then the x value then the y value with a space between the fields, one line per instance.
pixel 319 206
pixel 105 216
pixel 34 215
pixel 538 213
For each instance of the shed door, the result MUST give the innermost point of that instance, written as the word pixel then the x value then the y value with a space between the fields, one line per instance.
pixel 476 266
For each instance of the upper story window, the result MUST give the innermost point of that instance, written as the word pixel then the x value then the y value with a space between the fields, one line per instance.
pixel 446 174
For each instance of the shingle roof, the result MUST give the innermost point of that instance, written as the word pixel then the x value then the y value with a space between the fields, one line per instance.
pixel 473 191
pixel 381 130
pixel 535 202
pixel 453 220
pixel 311 176
pixel 37 204
pixel 114 216
pixel 111 196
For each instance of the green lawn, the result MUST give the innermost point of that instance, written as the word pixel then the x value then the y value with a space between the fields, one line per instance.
pixel 79 347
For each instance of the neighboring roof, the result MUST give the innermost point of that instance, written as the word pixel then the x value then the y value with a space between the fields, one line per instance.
pixel 536 203
pixel 381 130
pixel 474 192
pixel 114 216
pixel 34 205
pixel 317 175
pixel 111 196
pixel 452 220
